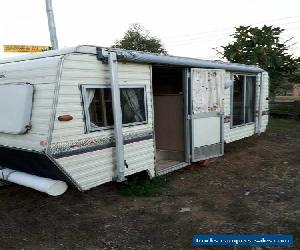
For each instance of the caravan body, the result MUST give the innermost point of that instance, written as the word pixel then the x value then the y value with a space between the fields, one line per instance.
pixel 58 119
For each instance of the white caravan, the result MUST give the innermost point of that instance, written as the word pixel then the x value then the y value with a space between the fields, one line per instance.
pixel 90 115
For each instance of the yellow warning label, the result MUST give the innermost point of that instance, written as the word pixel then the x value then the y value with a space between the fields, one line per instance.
pixel 25 48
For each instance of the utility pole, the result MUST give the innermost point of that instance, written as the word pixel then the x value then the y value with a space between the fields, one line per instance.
pixel 51 24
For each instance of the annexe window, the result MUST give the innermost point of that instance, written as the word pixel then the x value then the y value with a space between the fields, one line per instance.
pixel 98 106
pixel 243 99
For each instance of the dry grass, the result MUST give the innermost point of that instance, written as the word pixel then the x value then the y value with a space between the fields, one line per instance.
pixel 288 98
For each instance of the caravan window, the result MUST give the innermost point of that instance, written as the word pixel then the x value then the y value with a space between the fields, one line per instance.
pixel 243 99
pixel 98 106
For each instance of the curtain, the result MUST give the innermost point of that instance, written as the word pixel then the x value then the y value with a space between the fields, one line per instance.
pixel 200 91
pixel 212 91
pixel 250 98
pixel 133 107
pixel 90 93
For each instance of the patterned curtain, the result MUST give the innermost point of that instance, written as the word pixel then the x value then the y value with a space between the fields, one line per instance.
pixel 132 105
pixel 90 93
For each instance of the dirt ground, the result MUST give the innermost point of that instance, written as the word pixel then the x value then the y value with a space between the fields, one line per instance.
pixel 254 188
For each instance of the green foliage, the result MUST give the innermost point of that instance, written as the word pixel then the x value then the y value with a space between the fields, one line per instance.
pixel 263 47
pixel 143 186
pixel 137 38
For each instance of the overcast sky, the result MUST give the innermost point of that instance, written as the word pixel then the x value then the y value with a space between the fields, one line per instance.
pixel 187 28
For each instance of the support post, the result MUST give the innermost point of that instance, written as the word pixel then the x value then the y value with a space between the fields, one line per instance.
pixel 117 113
pixel 51 24
pixel 186 111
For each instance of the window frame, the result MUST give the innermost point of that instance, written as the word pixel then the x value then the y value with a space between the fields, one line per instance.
pixel 244 102
pixel 86 114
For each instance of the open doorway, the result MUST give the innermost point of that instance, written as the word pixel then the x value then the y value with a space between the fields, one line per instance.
pixel 168 99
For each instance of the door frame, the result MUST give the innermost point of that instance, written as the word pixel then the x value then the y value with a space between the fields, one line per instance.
pixel 187 109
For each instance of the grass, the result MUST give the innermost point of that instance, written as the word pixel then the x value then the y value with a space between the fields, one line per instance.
pixel 282 107
pixel 286 126
pixel 142 186
pixel 289 98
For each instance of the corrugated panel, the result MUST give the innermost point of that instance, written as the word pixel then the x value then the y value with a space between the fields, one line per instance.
pixel 94 168
pixel 98 167
pixel 26 141
pixel 35 72
pixel 70 97
pixel 44 63
pixel 42 73
pixel 238 133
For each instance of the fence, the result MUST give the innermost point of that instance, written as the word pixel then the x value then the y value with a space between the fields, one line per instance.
pixel 285 108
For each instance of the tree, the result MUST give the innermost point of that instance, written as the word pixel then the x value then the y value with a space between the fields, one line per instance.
pixel 138 38
pixel 263 47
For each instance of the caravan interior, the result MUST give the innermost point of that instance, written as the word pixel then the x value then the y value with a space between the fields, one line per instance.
pixel 168 101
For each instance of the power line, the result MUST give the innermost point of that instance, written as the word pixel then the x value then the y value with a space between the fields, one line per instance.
pixel 218 36
pixel 201 34
pixel 228 28
pixel 201 41
pixel 217 39
pixel 226 33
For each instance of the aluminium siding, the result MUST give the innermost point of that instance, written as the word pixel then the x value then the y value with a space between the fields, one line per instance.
pixel 93 168
pixel 42 74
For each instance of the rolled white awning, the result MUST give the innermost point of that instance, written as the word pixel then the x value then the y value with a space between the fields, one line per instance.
pixel 45 185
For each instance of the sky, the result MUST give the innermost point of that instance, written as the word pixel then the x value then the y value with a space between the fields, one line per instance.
pixel 187 28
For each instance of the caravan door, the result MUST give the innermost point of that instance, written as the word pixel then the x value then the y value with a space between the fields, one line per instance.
pixel 206 115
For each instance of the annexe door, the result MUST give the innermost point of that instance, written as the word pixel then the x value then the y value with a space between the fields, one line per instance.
pixel 206 118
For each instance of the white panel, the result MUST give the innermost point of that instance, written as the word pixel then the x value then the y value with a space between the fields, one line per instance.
pixel 15 108
pixel 206 131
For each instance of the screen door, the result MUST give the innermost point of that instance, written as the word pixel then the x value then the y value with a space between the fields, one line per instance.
pixel 207 102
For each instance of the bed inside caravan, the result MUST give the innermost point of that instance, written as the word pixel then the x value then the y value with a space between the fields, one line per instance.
pixel 168 99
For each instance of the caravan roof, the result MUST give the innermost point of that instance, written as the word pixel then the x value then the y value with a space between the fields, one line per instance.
pixel 142 57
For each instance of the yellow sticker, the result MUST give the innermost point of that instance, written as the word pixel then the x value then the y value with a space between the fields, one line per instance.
pixel 25 48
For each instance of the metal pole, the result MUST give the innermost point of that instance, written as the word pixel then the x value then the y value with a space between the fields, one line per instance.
pixel 186 109
pixel 51 24
pixel 117 113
